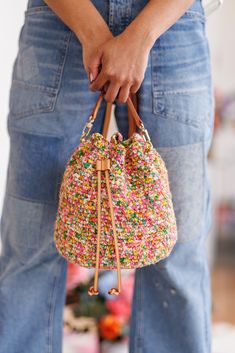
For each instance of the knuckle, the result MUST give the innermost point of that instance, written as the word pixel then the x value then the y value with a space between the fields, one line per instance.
pixel 122 100
pixel 121 78
pixel 109 72
pixel 93 88
pixel 108 98
pixel 126 80
pixel 135 81
pixel 134 89
pixel 118 78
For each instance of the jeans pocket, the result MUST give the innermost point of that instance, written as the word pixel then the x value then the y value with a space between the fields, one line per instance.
pixel 39 64
pixel 187 107
pixel 181 72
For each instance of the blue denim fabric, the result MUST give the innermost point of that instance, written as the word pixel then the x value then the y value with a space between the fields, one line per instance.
pixel 50 102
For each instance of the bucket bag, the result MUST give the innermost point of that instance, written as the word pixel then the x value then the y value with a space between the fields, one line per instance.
pixel 115 206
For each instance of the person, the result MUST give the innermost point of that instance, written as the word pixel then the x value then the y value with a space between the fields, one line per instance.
pixel 68 52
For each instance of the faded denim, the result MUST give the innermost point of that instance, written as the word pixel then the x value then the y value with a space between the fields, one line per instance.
pixel 50 102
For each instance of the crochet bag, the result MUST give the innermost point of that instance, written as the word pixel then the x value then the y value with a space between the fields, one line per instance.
pixel 115 206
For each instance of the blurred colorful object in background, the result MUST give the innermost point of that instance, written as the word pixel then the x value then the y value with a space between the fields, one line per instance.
pixel 103 319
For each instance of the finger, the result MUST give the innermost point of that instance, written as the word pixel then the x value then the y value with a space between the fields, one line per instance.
pixel 105 87
pixel 94 66
pixel 99 82
pixel 112 92
pixel 135 87
pixel 124 93
pixel 93 72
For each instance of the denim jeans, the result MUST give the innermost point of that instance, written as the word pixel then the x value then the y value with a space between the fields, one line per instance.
pixel 50 102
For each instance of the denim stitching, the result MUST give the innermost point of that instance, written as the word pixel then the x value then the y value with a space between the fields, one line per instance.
pixel 139 326
pixel 40 108
pixel 111 15
pixel 206 186
pixel 205 324
pixel 29 86
pixel 62 60
pixel 32 200
pixel 38 9
pixel 194 14
pixel 158 93
pixel 13 129
pixel 179 119
pixel 51 313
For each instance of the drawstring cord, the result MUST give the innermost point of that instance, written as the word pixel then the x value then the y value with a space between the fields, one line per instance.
pixel 104 165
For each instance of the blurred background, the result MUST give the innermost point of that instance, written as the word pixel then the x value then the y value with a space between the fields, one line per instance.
pixel 101 322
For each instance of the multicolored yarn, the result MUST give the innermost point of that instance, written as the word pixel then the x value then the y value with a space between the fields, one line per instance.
pixel 142 202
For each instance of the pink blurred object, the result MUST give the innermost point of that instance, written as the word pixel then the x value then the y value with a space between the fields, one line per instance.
pixel 121 306
pixel 76 275
pixel 74 342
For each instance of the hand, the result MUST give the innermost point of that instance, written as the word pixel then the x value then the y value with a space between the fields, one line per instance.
pixel 121 60
pixel 123 63
pixel 91 58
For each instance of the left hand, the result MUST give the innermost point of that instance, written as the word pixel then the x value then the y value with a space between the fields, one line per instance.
pixel 123 63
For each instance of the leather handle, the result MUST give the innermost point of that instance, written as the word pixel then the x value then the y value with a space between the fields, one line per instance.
pixel 131 120
pixel 139 123
pixel 131 107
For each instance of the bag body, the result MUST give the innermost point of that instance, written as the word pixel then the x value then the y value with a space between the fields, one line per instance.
pixel 115 205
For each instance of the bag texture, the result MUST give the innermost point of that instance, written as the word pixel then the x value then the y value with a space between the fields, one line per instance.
pixel 142 209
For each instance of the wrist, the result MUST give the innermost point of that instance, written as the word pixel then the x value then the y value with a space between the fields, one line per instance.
pixel 142 34
pixel 96 34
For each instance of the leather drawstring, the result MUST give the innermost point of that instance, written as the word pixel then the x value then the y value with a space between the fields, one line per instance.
pixel 104 165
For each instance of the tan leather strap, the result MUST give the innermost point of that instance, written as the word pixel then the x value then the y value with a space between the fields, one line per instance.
pixel 118 289
pixel 132 110
pixel 131 120
pixel 94 289
pixel 107 119
pixel 104 165
pixel 134 113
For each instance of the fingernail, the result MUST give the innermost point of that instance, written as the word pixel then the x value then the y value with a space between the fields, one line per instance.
pixel 90 77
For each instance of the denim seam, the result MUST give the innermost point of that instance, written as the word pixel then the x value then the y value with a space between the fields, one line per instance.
pixel 37 9
pixel 139 328
pixel 40 109
pixel 52 303
pixel 29 86
pixel 58 176
pixel 60 69
pixel 194 14
pixel 13 129
pixel 111 15
pixel 205 205
pixel 202 273
pixel 173 117
pixel 188 92
pixel 160 48
pixel 32 200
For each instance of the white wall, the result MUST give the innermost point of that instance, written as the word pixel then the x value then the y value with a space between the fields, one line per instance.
pixel 221 29
pixel 11 19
